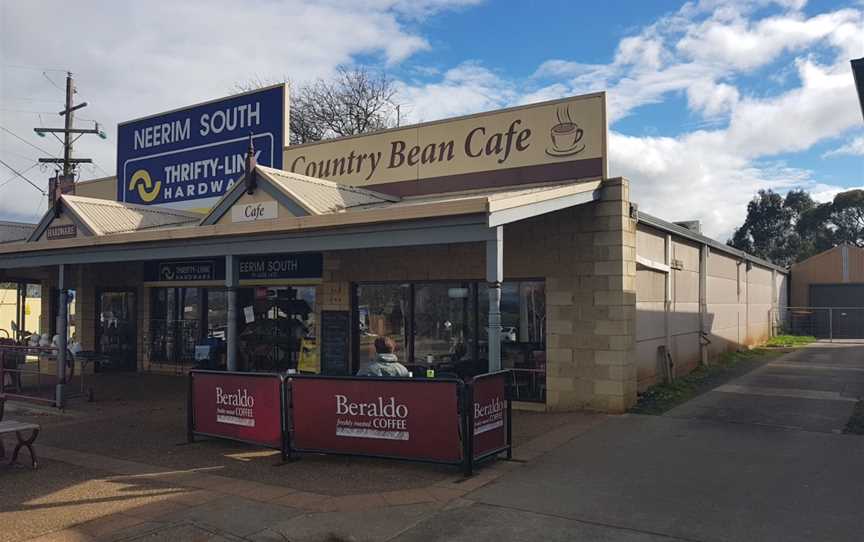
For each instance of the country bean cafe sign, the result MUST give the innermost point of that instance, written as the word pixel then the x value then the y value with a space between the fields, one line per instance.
pixel 552 141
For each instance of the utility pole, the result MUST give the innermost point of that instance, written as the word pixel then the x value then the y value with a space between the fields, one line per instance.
pixel 66 182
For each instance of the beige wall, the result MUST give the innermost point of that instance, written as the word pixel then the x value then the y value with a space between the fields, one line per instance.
pixel 98 188
pixel 739 304
pixel 826 268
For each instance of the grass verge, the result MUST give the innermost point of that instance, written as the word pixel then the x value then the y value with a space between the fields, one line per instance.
pixel 790 340
pixel 855 425
pixel 662 397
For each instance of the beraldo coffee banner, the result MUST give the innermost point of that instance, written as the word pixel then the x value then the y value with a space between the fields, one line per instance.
pixel 401 419
pixel 557 140
pixel 247 408
pixel 490 414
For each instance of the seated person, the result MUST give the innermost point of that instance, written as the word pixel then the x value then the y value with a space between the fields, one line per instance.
pixel 386 363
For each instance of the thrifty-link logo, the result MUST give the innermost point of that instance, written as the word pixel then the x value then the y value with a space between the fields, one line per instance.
pixel 235 408
pixel 381 419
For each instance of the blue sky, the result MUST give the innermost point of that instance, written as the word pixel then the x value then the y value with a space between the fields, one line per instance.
pixel 709 101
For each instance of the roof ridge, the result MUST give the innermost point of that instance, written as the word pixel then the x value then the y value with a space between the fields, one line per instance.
pixel 133 206
pixel 332 184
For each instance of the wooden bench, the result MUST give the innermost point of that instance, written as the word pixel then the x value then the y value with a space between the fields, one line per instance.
pixel 11 426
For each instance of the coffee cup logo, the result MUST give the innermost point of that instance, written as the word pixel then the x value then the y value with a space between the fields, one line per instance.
pixel 566 135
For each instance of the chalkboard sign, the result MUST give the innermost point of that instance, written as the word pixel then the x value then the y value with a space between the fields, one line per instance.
pixel 335 327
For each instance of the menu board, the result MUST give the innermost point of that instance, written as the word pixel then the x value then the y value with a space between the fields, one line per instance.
pixel 335 328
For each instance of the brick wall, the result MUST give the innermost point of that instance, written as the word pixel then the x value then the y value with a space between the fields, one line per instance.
pixel 586 254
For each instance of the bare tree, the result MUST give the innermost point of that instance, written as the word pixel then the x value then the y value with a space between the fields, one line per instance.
pixel 355 101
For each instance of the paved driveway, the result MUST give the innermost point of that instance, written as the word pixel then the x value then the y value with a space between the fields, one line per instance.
pixel 811 389
pixel 759 459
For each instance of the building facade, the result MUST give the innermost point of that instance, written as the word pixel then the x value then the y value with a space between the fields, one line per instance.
pixel 544 267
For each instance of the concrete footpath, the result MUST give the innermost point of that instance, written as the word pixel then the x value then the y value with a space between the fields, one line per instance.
pixel 761 458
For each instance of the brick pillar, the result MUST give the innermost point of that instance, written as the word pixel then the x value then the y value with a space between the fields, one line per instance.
pixel 591 304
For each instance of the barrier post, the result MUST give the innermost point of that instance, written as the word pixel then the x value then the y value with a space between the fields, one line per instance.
pixel 286 417
pixel 509 423
pixel 190 417
pixel 468 431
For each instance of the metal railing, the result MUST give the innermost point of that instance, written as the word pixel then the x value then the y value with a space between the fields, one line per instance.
pixel 22 375
pixel 831 323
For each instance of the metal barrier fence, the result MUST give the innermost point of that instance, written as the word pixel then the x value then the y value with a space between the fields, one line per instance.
pixel 441 420
pixel 24 375
pixel 832 323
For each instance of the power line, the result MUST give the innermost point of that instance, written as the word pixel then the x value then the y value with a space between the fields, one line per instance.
pixel 45 75
pixel 23 67
pixel 25 141
pixel 25 111
pixel 13 177
pixel 18 173
pixel 18 154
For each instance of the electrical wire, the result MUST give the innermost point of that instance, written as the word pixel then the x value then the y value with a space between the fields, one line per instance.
pixel 34 185
pixel 27 142
pixel 13 177
pixel 45 74
pixel 23 67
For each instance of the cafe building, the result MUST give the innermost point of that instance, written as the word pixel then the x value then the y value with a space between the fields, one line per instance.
pixel 478 243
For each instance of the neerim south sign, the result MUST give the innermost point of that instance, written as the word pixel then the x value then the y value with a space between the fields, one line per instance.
pixel 558 140
pixel 189 157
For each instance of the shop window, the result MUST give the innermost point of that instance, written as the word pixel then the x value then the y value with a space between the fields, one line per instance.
pixel 277 328
pixel 382 310
pixel 523 335
pixel 444 326
pixel 21 309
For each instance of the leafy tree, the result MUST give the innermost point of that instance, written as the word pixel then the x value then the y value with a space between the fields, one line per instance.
pixel 847 217
pixel 356 101
pixel 791 229
pixel 769 231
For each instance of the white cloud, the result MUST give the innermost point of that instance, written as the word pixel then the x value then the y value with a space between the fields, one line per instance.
pixel 855 147
pixel 467 88
pixel 137 63
pixel 135 58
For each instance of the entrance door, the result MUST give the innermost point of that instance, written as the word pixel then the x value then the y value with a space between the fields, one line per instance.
pixel 116 330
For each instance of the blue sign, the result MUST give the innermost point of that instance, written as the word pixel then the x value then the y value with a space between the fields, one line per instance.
pixel 190 157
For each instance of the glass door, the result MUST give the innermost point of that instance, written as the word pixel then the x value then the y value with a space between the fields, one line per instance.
pixel 116 330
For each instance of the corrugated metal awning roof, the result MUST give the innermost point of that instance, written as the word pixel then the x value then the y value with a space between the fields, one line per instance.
pixel 15 231
pixel 106 217
pixel 319 196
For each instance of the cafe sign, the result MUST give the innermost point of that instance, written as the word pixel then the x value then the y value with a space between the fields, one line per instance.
pixel 253 212
pixel 558 140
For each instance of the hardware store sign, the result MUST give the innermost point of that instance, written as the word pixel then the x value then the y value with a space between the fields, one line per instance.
pixel 189 157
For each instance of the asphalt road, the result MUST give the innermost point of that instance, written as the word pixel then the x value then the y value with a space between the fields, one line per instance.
pixel 760 458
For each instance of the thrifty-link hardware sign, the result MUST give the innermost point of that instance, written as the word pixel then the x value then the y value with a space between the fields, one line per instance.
pixel 189 157
pixel 560 140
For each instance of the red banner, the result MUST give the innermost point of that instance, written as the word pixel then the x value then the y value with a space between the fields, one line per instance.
pixel 490 411
pixel 246 407
pixel 403 419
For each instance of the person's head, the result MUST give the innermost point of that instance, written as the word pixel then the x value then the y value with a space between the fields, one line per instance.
pixel 385 345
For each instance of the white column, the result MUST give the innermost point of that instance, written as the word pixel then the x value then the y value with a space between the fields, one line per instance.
pixel 494 277
pixel 231 283
pixel 62 333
